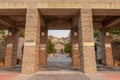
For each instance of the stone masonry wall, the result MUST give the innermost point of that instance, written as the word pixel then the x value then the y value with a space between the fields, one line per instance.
pixel 75 48
pixel 2 50
pixel 116 52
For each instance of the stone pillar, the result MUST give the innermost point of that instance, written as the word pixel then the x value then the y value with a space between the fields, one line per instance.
pixel 15 45
pixel 107 49
pixel 75 47
pixel 102 45
pixel 43 46
pixel 87 51
pixel 11 50
pixel 31 54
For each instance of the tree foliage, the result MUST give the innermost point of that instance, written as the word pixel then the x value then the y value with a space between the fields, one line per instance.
pixel 115 32
pixel 96 33
pixel 22 33
pixel 67 48
pixel 2 32
pixel 50 47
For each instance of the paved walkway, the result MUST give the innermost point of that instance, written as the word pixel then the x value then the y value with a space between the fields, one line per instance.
pixel 6 76
pixel 59 68
pixel 110 75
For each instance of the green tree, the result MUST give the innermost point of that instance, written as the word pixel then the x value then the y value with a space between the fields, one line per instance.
pixel 96 33
pixel 115 32
pixel 50 47
pixel 67 48
pixel 22 33
pixel 2 32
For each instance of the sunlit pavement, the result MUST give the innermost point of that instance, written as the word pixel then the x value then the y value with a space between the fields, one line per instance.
pixel 8 76
pixel 111 75
pixel 60 75
pixel 59 68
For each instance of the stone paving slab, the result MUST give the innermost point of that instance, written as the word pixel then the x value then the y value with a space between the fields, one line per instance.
pixel 8 76
pixel 59 77
pixel 110 75
pixel 60 69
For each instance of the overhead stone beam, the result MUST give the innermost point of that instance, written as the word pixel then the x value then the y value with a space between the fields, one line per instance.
pixel 6 22
pixel 97 25
pixel 57 25
pixel 43 22
pixel 106 12
pixel 112 24
pixel 115 27
pixel 20 25
pixel 2 27
pixel 75 21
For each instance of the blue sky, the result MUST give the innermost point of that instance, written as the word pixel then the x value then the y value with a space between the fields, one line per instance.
pixel 59 33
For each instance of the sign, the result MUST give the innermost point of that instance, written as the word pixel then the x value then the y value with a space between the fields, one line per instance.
pixel 107 45
pixel 88 43
pixel 29 43
pixel 9 45
pixel 42 46
pixel 75 46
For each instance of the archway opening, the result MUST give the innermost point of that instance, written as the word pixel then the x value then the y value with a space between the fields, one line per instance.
pixel 59 52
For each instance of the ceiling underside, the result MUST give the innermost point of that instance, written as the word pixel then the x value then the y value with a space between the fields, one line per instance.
pixel 59 18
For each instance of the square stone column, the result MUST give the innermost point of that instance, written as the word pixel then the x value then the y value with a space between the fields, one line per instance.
pixel 31 54
pixel 15 45
pixel 75 47
pixel 43 46
pixel 87 51
pixel 102 45
pixel 106 48
pixel 12 47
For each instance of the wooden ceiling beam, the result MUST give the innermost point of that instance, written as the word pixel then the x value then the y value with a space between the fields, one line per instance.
pixel 6 21
pixel 113 23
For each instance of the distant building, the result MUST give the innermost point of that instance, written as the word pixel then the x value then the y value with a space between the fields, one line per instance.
pixel 59 42
pixel 59 47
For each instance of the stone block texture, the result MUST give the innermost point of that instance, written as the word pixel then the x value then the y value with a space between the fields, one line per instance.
pixel 108 51
pixel 102 45
pixel 32 41
pixel 116 52
pixel 11 50
pixel 75 47
pixel 43 47
pixel 106 48
pixel 87 52
pixel 2 50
